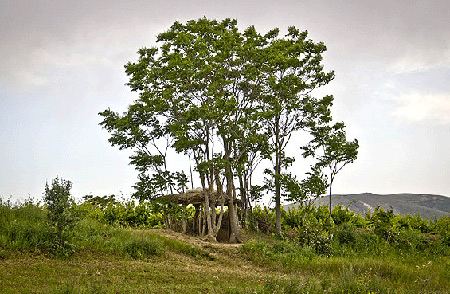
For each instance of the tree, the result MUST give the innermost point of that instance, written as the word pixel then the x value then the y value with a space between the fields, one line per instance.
pixel 292 69
pixel 59 206
pixel 227 100
pixel 188 91
pixel 336 151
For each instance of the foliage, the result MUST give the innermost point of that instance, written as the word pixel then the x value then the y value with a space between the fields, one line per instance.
pixel 24 226
pixel 228 100
pixel 332 151
pixel 313 234
pixel 415 258
pixel 61 214
pixel 128 214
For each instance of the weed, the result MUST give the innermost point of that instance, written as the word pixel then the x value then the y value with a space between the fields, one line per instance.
pixel 142 249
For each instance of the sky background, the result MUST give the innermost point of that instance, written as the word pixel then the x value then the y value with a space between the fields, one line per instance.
pixel 62 63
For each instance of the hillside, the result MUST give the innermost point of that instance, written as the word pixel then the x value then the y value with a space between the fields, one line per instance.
pixel 312 258
pixel 426 205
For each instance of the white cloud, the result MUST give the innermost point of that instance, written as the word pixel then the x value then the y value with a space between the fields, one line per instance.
pixel 422 59
pixel 416 107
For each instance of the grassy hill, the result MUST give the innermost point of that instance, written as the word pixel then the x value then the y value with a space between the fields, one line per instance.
pixel 385 254
pixel 262 265
pixel 427 205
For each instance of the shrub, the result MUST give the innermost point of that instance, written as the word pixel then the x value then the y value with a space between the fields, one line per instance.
pixel 60 214
pixel 382 222
pixel 128 214
pixel 314 234
pixel 413 222
pixel 410 240
pixel 262 220
pixel 346 234
pixel 341 215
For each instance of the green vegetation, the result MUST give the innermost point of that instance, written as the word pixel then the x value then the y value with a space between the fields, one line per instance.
pixel 249 93
pixel 227 100
pixel 379 253
pixel 60 214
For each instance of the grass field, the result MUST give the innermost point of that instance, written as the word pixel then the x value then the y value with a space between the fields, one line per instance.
pixel 102 258
pixel 223 270
pixel 220 268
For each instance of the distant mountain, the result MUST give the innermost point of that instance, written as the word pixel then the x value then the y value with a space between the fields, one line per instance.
pixel 425 204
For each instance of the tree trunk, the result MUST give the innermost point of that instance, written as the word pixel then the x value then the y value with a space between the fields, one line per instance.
pixel 277 177
pixel 206 209
pixel 243 195
pixel 213 218
pixel 235 236
pixel 219 222
pixel 278 194
pixel 196 220
pixel 184 219
pixel 203 224
pixel 246 201
pixel 330 198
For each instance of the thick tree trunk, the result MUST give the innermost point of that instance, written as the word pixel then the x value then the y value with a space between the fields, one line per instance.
pixel 219 222
pixel 220 197
pixel 235 236
pixel 213 218
pixel 204 224
pixel 246 200
pixel 243 195
pixel 206 209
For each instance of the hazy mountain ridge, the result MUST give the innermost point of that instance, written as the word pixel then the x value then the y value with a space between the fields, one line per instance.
pixel 427 205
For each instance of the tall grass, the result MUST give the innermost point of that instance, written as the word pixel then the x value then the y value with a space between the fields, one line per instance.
pixel 90 234
pixel 26 227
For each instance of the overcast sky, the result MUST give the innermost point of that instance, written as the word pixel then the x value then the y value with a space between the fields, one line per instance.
pixel 62 63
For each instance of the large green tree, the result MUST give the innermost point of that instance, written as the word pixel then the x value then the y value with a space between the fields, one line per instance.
pixel 225 98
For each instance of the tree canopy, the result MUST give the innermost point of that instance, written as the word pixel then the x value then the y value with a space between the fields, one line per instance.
pixel 227 100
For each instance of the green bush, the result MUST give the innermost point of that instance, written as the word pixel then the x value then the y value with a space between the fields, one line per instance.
pixel 382 222
pixel 341 215
pixel 294 217
pixel 346 234
pixel 262 220
pixel 61 214
pixel 128 214
pixel 314 234
pixel 413 222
